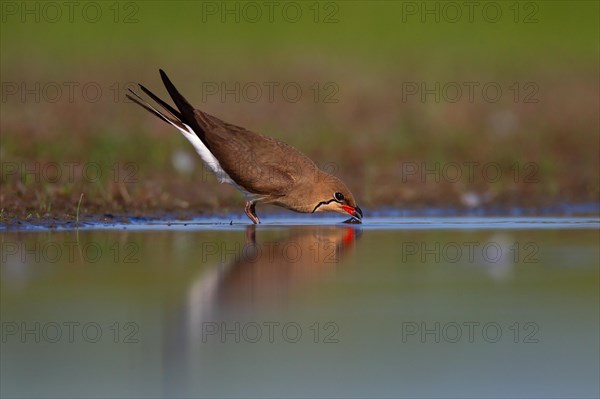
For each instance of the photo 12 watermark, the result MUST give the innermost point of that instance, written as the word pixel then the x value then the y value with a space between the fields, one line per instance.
pixel 469 172
pixel 289 251
pixel 470 91
pixel 270 92
pixel 68 172
pixel 290 332
pixel 488 12
pixel 252 12
pixel 70 332
pixel 470 252
pixel 52 12
pixel 68 252
pixel 260 172
pixel 452 332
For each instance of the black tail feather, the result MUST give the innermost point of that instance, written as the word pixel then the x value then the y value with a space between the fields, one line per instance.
pixel 142 103
pixel 188 115
pixel 168 107
pixel 187 110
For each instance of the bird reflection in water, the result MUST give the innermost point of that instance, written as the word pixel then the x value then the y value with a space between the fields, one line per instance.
pixel 266 272
pixel 267 275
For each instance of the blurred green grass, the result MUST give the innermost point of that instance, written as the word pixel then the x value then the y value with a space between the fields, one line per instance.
pixel 369 133
pixel 381 30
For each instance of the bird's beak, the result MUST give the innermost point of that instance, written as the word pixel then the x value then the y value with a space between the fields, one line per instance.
pixel 356 212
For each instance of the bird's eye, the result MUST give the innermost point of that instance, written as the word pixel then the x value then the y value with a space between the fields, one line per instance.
pixel 339 196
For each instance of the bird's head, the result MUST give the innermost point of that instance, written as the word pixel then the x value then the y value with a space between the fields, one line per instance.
pixel 332 195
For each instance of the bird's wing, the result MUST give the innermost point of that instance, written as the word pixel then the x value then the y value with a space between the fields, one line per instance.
pixel 258 163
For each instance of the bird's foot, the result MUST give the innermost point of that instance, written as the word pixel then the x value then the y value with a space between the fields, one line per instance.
pixel 250 210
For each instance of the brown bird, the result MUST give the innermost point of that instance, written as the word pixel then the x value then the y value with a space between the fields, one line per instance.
pixel 264 169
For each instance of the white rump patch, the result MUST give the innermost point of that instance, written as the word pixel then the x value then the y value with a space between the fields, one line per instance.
pixel 209 159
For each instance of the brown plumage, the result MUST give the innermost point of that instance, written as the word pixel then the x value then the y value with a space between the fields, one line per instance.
pixel 266 170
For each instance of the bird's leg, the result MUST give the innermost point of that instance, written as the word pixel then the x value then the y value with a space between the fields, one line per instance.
pixel 251 212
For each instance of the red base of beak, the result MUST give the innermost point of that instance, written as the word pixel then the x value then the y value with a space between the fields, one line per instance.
pixel 356 212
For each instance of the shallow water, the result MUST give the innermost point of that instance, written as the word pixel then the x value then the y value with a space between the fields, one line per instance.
pixel 303 307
